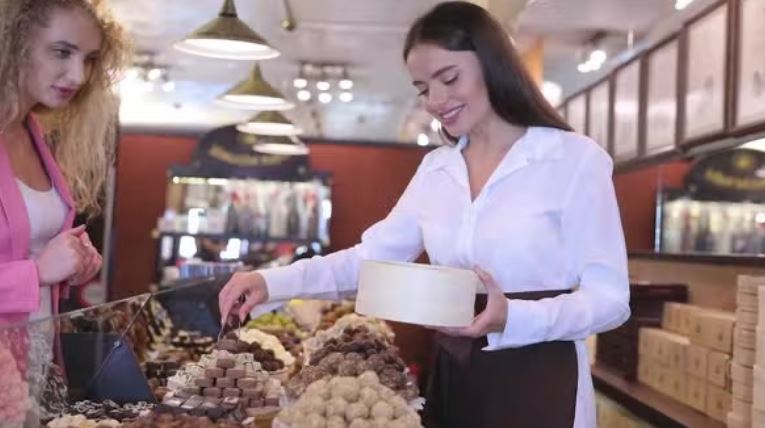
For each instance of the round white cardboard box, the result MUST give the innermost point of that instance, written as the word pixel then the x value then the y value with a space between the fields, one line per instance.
pixel 417 293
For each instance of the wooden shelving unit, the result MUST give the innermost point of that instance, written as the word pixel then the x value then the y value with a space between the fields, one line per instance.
pixel 648 404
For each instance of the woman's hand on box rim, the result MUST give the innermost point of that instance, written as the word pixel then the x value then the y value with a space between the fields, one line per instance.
pixel 493 317
pixel 249 284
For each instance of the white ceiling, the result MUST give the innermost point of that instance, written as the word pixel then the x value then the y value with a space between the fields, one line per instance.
pixel 365 34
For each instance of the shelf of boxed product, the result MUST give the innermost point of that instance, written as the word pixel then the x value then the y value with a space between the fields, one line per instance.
pixel 717 259
pixel 244 237
pixel 647 403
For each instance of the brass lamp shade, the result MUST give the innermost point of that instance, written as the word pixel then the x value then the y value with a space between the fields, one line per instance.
pixel 227 37
pixel 255 93
pixel 269 123
pixel 278 145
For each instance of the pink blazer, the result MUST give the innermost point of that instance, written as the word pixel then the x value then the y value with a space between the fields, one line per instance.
pixel 19 283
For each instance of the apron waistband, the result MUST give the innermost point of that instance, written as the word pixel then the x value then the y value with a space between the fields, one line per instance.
pixel 460 347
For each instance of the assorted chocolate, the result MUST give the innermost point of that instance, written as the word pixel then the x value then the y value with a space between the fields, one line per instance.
pixel 336 311
pixel 353 377
pixel 192 339
pixel 349 401
pixel 353 353
pixel 108 409
pixel 80 421
pixel 266 357
pixel 167 420
pixel 291 342
pixel 221 385
pixel 55 393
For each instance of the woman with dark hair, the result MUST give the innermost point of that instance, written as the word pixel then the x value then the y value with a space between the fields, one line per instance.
pixel 517 196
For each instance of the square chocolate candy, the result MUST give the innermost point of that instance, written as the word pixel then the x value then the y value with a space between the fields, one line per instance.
pixel 192 390
pixel 203 382
pixel 230 345
pixel 224 382
pixel 235 373
pixel 214 372
pixel 225 363
pixel 255 412
pixel 231 392
pixel 246 382
pixel 212 392
pixel 252 393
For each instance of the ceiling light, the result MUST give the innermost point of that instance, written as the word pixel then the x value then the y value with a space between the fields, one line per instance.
pixel 269 123
pixel 435 125
pixel 345 97
pixel 682 4
pixel 423 140
pixel 322 85
pixel 154 73
pixel 345 84
pixel 300 83
pixel 325 98
pixel 132 73
pixel 304 95
pixel 255 93
pixel 227 37
pixel 598 56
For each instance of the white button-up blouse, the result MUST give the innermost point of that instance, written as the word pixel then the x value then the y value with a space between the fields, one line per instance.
pixel 547 219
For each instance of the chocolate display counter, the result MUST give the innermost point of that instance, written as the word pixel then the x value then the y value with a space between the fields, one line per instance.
pixel 156 360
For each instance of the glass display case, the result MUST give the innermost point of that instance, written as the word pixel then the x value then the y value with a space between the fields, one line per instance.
pixel 689 225
pixel 119 351
pixel 720 210
pixel 250 221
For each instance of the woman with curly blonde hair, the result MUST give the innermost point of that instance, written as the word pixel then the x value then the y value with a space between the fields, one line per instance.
pixel 58 63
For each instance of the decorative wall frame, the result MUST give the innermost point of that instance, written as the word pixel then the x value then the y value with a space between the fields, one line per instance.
pixel 661 101
pixel 626 116
pixel 705 75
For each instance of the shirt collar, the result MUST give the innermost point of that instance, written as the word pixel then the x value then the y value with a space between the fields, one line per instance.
pixel 537 144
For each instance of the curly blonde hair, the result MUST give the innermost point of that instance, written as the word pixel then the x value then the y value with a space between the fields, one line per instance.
pixel 82 134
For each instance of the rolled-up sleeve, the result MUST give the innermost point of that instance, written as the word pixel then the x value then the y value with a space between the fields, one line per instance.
pixel 594 245
pixel 396 238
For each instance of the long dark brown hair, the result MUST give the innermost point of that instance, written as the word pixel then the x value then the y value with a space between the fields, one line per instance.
pixel 513 94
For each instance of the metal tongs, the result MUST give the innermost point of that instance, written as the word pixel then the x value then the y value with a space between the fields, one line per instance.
pixel 233 322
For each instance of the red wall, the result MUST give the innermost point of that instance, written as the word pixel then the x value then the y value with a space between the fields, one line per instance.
pixel 367 181
pixel 636 193
pixel 142 164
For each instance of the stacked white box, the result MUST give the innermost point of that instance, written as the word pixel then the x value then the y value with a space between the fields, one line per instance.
pixel 745 364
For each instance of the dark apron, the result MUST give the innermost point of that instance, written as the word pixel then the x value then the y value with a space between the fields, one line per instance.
pixel 533 386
